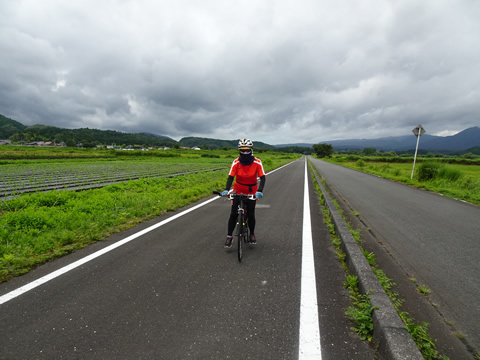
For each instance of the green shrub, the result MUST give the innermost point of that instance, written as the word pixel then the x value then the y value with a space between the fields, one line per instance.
pixel 267 162
pixel 428 171
pixel 360 163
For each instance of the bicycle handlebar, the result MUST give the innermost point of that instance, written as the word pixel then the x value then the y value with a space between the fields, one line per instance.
pixel 231 195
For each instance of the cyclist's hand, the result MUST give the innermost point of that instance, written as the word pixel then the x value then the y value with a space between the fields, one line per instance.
pixel 224 192
pixel 259 195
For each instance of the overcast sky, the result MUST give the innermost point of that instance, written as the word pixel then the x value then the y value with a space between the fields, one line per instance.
pixel 274 71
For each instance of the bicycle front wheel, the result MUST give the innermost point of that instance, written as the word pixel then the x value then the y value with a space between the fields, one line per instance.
pixel 240 236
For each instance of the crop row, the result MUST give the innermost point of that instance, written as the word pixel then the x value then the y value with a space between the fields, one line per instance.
pixel 16 181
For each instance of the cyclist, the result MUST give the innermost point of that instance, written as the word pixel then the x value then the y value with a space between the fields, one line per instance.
pixel 245 169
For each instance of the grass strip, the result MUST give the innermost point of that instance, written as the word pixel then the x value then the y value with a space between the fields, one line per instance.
pixel 452 180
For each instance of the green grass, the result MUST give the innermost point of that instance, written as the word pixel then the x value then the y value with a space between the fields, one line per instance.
pixel 452 180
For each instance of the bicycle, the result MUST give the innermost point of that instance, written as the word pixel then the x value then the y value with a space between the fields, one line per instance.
pixel 242 220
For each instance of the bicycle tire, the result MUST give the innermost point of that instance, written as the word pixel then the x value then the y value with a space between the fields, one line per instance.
pixel 239 236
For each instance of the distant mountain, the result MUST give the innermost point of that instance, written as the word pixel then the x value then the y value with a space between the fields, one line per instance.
pixel 217 143
pixel 394 143
pixel 302 145
pixel 465 139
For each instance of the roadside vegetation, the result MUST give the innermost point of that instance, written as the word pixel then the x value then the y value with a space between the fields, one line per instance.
pixel 40 226
pixel 455 177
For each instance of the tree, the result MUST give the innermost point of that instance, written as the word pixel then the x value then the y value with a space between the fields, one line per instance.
pixel 369 151
pixel 323 150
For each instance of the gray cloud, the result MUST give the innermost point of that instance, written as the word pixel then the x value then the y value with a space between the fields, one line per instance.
pixel 274 71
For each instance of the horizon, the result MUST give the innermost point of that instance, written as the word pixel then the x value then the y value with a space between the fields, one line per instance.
pixel 450 133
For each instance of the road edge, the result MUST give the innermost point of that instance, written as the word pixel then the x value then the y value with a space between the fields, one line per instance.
pixel 393 340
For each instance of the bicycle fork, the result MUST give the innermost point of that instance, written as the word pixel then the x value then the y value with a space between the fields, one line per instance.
pixel 243 222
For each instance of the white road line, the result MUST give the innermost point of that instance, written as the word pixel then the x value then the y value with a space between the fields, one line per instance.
pixel 21 290
pixel 309 338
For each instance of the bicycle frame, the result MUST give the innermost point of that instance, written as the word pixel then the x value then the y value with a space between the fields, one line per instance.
pixel 242 221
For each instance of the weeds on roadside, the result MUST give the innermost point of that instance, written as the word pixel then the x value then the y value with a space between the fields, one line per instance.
pixel 424 342
pixel 361 310
pixel 422 289
pixel 419 332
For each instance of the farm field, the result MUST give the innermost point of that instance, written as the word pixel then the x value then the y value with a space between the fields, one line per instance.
pixel 77 175
pixel 40 225
pixel 37 152
pixel 452 180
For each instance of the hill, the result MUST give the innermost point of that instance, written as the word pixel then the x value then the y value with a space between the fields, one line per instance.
pixel 11 129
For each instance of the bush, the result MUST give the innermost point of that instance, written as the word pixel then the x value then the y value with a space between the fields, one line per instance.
pixel 360 163
pixel 427 171
pixel 267 162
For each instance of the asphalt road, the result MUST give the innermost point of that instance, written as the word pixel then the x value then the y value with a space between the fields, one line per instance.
pixel 433 238
pixel 175 293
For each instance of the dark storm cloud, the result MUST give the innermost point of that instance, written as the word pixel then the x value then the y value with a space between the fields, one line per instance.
pixel 275 71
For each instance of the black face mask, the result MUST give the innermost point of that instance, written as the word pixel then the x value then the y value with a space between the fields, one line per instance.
pixel 246 159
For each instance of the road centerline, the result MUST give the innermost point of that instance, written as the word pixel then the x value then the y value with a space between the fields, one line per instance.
pixel 309 337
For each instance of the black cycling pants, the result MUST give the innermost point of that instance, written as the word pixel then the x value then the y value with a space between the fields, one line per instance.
pixel 232 221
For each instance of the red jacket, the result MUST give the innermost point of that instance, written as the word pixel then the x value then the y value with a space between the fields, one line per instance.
pixel 246 176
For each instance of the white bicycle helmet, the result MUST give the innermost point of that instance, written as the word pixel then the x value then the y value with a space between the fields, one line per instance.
pixel 245 144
